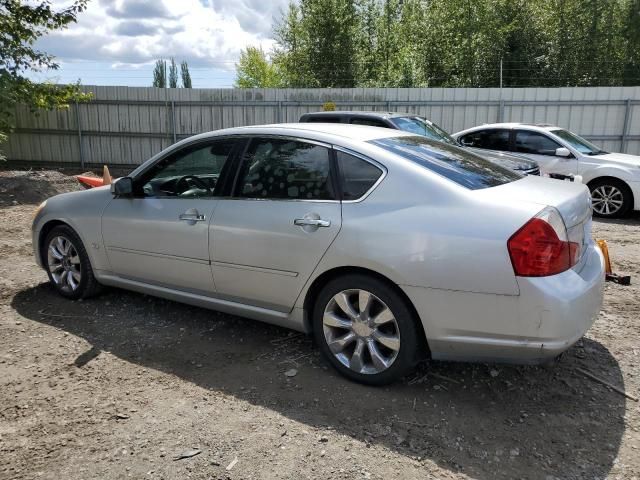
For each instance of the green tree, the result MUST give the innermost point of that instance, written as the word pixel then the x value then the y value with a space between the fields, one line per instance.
pixel 186 76
pixel 631 72
pixel 316 44
pixel 21 24
pixel 343 43
pixel 254 70
pixel 290 53
pixel 160 74
pixel 173 74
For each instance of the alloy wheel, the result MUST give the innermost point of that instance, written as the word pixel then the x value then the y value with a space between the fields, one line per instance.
pixel 361 331
pixel 64 264
pixel 607 199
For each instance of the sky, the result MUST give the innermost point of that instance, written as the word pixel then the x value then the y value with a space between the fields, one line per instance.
pixel 116 42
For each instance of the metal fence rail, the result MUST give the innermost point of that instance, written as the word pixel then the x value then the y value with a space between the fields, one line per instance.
pixel 125 126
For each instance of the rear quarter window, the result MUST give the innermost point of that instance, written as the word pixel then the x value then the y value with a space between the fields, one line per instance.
pixel 453 163
pixel 357 176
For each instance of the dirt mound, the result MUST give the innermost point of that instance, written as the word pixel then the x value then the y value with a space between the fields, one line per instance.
pixel 33 186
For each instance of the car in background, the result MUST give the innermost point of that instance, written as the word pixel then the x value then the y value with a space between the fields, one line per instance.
pixel 612 178
pixel 420 126
pixel 388 246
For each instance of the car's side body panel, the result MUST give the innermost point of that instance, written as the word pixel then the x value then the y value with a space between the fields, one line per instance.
pixel 145 240
pixel 259 256
pixel 82 211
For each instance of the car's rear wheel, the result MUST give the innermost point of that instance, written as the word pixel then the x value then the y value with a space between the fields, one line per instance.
pixel 365 329
pixel 68 265
pixel 610 197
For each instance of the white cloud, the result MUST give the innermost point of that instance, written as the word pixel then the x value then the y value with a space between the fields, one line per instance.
pixel 205 33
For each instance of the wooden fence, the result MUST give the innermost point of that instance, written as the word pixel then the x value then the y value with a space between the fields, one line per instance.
pixel 123 126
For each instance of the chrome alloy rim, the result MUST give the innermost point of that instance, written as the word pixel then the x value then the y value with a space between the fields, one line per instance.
pixel 361 331
pixel 606 199
pixel 64 264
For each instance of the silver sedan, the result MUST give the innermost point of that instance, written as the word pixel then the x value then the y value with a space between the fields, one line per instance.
pixel 388 247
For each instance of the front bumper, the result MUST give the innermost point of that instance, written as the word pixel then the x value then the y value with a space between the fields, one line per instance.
pixel 548 316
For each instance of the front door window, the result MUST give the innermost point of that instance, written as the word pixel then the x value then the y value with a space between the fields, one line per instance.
pixel 535 143
pixel 191 172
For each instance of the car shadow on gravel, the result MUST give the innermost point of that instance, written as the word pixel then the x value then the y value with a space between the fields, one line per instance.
pixel 488 421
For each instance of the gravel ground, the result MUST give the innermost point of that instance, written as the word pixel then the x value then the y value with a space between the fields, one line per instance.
pixel 121 385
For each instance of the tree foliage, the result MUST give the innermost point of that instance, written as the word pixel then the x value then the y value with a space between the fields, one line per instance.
pixel 345 43
pixel 173 74
pixel 163 80
pixel 21 24
pixel 186 76
pixel 160 74
pixel 254 70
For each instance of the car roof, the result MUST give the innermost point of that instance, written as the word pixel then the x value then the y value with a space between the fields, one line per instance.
pixel 356 113
pixel 327 132
pixel 545 127
pixel 340 134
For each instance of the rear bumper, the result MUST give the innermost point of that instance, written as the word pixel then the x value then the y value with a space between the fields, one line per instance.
pixel 548 317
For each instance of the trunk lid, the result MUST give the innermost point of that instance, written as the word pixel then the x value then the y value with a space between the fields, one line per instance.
pixel 571 199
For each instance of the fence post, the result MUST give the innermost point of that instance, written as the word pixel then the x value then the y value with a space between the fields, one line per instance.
pixel 79 135
pixel 173 119
pixel 501 111
pixel 625 125
pixel 279 111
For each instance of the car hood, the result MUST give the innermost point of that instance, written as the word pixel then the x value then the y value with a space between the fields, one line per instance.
pixel 512 162
pixel 623 158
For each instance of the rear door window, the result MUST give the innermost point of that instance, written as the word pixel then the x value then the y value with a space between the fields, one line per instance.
pixel 357 175
pixel 492 139
pixel 535 143
pixel 277 168
pixel 453 163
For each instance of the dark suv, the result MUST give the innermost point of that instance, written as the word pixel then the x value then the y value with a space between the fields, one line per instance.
pixel 420 126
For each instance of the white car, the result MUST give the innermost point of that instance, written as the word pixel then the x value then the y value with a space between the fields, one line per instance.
pixel 613 178
pixel 388 246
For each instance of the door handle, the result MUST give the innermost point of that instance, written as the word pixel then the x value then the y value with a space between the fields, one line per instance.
pixel 192 217
pixel 311 222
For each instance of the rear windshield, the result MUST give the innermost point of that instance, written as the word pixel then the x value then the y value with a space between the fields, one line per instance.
pixel 454 163
pixel 421 126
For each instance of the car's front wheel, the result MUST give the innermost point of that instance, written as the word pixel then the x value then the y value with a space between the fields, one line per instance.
pixel 610 197
pixel 366 330
pixel 67 264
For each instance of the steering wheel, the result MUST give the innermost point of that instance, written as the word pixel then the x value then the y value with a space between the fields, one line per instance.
pixel 187 182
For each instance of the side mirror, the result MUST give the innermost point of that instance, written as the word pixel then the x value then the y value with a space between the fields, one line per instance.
pixel 122 187
pixel 563 152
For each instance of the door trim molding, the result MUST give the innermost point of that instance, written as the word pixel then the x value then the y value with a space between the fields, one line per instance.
pixel 238 266
pixel 156 254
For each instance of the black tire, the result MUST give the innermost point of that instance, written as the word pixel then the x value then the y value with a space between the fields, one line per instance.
pixel 406 325
pixel 87 286
pixel 605 184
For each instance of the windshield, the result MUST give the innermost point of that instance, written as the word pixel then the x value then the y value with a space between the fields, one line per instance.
pixel 579 143
pixel 422 126
pixel 454 163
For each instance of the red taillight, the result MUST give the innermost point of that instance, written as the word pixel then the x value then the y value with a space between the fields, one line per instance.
pixel 541 247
